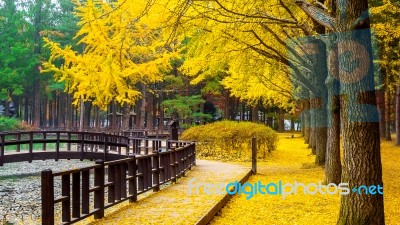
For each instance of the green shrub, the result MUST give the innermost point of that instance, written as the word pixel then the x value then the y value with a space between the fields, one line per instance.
pixel 231 140
pixel 12 124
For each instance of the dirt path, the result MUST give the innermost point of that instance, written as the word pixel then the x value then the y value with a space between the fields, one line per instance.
pixel 174 204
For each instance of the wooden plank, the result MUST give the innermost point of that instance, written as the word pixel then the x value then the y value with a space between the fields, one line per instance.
pixel 76 195
pixel 47 188
pixel 111 180
pixel 65 192
pixel 85 191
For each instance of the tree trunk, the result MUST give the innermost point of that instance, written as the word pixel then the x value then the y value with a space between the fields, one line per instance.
pixel 380 101
pixel 81 115
pixel 361 142
pixel 36 104
pixel 96 118
pixel 69 116
pixel 26 109
pixel 307 121
pixel 302 124
pixel 242 115
pixel 254 114
pixel 227 106
pixel 311 143
pixel 61 109
pixel 87 112
pixel 143 108
pixel 397 109
pixel 161 111
pixel 292 123
pixel 388 136
pixel 125 116
pixel 47 113
pixel 333 165
pixel 281 120
pixel 113 116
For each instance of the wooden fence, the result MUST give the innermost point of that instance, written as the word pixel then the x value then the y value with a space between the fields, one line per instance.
pixel 87 145
pixel 91 190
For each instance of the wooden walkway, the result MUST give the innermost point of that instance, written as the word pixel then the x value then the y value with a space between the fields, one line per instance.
pixel 174 204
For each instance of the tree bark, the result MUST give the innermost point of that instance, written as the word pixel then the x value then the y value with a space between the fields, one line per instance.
pixel 361 142
pixel 292 123
pixel 143 108
pixel 81 115
pixel 36 104
pixel 307 121
pixel 397 109
pixel 281 120
pixel 388 136
pixel 96 122
pixel 312 141
pixel 125 116
pixel 69 116
pixel 87 112
pixel 254 114
pixel 161 111
pixel 61 110
pixel 227 106
pixel 333 165
pixel 380 101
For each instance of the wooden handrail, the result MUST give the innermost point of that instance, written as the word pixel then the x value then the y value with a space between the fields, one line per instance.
pixel 126 179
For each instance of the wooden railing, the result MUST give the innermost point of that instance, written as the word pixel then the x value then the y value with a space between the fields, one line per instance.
pixel 87 145
pixel 158 133
pixel 123 179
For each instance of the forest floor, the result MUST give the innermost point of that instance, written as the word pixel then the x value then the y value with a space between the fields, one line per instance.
pixel 291 162
pixel 175 204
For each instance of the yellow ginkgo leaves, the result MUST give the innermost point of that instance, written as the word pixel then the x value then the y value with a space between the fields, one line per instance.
pixel 123 45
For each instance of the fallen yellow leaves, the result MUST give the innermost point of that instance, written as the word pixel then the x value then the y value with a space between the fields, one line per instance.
pixel 292 162
pixel 174 204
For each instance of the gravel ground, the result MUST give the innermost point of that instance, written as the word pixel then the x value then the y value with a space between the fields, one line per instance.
pixel 20 188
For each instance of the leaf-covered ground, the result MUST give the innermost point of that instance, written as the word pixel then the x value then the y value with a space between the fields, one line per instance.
pixel 174 204
pixel 292 162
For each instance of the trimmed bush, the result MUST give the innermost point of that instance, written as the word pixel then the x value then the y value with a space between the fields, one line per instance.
pixel 12 124
pixel 231 140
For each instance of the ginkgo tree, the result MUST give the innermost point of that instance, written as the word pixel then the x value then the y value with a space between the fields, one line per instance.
pixel 123 46
pixel 246 42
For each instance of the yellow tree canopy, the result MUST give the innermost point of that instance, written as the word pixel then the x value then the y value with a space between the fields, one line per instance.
pixel 124 43
pixel 245 40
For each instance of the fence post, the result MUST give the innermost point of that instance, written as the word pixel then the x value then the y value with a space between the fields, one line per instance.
pixel 69 143
pixel 18 136
pixel 99 193
pixel 254 155
pixel 127 145
pixel 156 175
pixel 194 154
pixel 2 150
pixel 105 146
pixel 44 143
pixel 57 146
pixel 47 181
pixel 82 145
pixel 132 179
pixel 174 167
pixel 30 146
